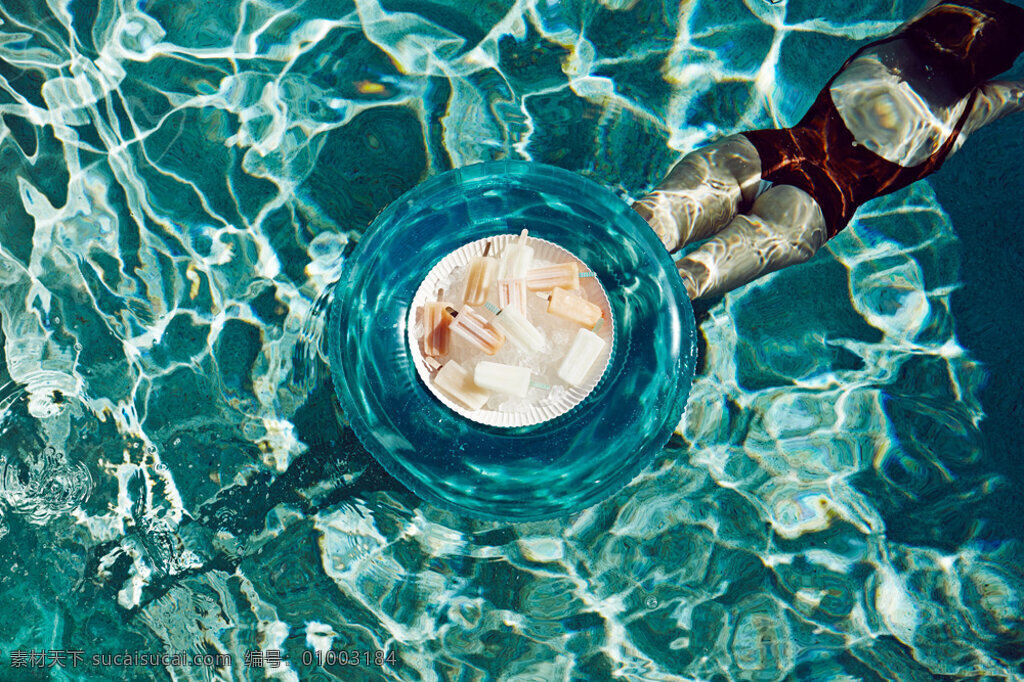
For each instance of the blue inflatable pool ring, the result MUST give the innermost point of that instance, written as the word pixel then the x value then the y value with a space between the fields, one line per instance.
pixel 520 473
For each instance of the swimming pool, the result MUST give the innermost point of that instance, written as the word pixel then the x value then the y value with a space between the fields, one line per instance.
pixel 183 184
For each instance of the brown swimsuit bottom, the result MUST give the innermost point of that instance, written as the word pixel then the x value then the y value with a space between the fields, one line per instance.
pixel 967 41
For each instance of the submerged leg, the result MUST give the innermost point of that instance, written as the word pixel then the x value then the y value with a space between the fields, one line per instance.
pixel 784 227
pixel 702 192
pixel 995 99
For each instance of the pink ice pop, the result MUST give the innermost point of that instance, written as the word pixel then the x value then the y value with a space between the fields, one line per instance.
pixel 512 294
pixel 476 331
pixel 565 275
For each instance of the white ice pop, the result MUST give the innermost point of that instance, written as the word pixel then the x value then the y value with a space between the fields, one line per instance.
pixel 565 275
pixel 573 308
pixel 514 325
pixel 515 259
pixel 580 359
pixel 510 379
pixel 512 294
pixel 476 331
pixel 457 382
pixel 483 270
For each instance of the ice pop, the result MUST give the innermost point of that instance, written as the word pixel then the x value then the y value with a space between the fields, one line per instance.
pixel 457 382
pixel 515 259
pixel 512 294
pixel 483 270
pixel 500 378
pixel 436 321
pixel 514 325
pixel 565 275
pixel 583 352
pixel 573 308
pixel 476 331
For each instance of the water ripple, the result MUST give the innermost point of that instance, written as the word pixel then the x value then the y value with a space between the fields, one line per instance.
pixel 44 486
pixel 186 183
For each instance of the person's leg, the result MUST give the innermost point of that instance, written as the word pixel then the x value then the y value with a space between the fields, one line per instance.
pixel 784 227
pixel 995 99
pixel 702 192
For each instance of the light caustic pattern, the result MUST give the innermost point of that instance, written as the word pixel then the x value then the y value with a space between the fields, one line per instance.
pixel 182 182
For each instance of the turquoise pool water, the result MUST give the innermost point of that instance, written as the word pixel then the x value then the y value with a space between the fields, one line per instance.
pixel 182 183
